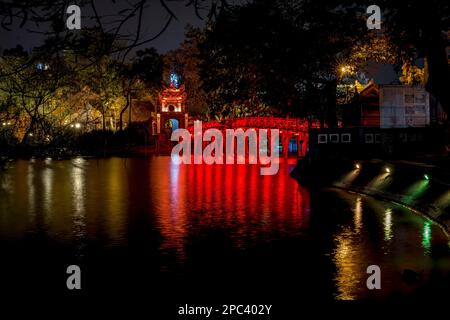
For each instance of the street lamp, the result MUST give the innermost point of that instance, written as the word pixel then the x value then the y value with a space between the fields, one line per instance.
pixel 346 69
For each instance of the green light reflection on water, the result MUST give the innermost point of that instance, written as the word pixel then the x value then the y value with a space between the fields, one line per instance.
pixel 426 237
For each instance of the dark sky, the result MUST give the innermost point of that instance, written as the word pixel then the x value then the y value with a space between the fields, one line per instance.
pixel 155 17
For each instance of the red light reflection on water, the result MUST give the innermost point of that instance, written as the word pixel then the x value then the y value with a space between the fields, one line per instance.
pixel 235 198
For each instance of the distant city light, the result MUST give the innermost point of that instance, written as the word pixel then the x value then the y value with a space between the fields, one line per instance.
pixel 41 66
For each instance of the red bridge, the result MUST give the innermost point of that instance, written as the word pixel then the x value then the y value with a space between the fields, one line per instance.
pixel 293 131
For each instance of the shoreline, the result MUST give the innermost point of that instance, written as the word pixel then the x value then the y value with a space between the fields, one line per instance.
pixel 420 187
pixel 424 214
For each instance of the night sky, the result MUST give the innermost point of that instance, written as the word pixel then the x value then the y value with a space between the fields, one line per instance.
pixel 155 17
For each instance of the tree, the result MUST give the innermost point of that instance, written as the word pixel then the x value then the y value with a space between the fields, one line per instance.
pixel 143 75
pixel 126 26
pixel 32 95
pixel 420 28
pixel 103 79
pixel 185 61
pixel 247 58
pixel 278 53
pixel 96 72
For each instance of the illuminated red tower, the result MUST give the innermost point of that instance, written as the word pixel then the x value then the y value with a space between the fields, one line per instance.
pixel 172 111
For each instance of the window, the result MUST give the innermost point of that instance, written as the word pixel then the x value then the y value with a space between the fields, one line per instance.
pixel 334 138
pixel 419 98
pixel 409 110
pixel 322 138
pixel 409 98
pixel 377 138
pixel 412 137
pixel 369 138
pixel 346 138
pixel 403 137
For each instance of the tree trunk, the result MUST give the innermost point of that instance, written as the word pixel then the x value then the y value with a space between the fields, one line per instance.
pixel 129 110
pixel 123 111
pixel 103 119
pixel 438 70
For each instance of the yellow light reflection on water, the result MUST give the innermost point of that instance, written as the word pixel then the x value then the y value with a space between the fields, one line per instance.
pixel 78 182
pixel 348 178
pixel 347 257
pixel 379 181
pixel 349 250
pixel 357 217
pixel 388 234
pixel 112 186
pixel 47 184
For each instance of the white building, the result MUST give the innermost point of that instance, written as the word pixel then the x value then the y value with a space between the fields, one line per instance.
pixel 404 106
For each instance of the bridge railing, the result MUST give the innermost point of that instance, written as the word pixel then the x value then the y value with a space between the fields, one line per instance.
pixel 288 124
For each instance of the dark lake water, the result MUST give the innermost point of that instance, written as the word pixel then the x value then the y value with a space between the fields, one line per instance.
pixel 207 232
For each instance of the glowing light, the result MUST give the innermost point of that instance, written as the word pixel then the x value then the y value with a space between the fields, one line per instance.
pixel 42 66
pixel 346 69
pixel 77 126
pixel 174 80
pixel 426 237
pixel 415 191
pixel 388 234
pixel 346 257
pixel 348 178
pixel 357 217
pixel 388 170
pixel 426 177
pixel 380 181
pixel 357 166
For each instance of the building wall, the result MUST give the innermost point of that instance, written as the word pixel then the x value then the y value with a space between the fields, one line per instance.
pixel 404 106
